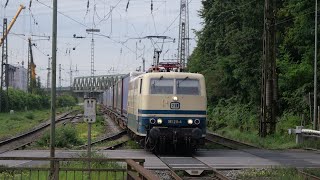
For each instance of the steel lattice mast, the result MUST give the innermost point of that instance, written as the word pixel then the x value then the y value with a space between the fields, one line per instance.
pixel 4 64
pixel 183 43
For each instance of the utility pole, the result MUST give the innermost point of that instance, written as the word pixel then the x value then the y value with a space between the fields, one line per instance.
pixel 91 92
pixel 315 104
pixel 60 83
pixel 31 68
pixel 4 66
pixel 71 75
pixel 183 43
pixel 53 90
pixel 269 89
pixel 48 75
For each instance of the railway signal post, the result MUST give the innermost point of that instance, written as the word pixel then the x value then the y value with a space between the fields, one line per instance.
pixel 89 117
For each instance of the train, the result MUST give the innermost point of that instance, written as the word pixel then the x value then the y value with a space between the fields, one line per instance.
pixel 163 111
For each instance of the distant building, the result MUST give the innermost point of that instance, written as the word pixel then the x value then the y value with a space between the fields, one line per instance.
pixel 18 77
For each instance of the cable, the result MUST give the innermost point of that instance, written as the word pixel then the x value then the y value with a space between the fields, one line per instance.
pixel 154 24
pixel 104 18
pixel 63 14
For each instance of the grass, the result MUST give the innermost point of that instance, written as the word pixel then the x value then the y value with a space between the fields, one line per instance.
pixel 107 144
pixel 131 144
pixel 270 174
pixel 315 172
pixel 97 129
pixel 276 141
pixel 13 124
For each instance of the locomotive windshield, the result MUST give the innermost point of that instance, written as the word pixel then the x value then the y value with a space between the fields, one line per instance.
pixel 188 86
pixel 162 86
pixel 184 86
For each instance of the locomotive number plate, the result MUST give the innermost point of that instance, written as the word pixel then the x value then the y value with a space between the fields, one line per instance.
pixel 174 121
pixel 175 105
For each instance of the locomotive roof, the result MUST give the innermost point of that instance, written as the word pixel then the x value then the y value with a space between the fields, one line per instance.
pixel 171 75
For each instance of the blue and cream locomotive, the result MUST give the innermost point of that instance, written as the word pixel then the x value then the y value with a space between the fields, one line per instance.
pixel 166 111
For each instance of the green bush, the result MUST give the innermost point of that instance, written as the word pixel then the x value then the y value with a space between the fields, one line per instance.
pixel 66 136
pixel 19 100
pixel 231 113
pixel 66 100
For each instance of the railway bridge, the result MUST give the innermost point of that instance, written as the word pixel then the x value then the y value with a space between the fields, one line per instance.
pixel 83 86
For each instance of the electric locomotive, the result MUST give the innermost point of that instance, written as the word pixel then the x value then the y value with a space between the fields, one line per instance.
pixel 166 111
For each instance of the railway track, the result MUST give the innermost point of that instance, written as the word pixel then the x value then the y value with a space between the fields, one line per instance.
pixel 27 138
pixel 192 166
pixel 111 137
pixel 117 145
pixel 307 175
pixel 229 143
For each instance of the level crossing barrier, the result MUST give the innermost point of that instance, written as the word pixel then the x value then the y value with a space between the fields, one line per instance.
pixel 302 134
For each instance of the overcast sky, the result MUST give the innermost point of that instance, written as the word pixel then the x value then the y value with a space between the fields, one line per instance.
pixel 111 56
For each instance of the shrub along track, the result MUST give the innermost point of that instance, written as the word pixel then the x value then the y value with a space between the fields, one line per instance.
pixel 26 138
pixel 113 133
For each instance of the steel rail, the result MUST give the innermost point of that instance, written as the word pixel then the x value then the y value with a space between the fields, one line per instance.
pixel 227 142
pixel 219 176
pixel 307 175
pixel 116 146
pixel 15 140
pixel 7 141
pixel 111 137
pixel 175 175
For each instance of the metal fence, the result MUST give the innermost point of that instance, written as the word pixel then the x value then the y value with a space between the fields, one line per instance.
pixel 74 169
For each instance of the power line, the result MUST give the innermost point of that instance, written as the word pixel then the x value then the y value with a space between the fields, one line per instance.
pixel 63 14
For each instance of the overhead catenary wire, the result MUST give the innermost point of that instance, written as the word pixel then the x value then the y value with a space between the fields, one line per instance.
pixel 115 39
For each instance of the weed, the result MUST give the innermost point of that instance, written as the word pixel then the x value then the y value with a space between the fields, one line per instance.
pixel 132 145
pixel 66 136
pixel 29 115
pixel 274 174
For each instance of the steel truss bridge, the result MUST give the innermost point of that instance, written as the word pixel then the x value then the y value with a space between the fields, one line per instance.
pixel 96 84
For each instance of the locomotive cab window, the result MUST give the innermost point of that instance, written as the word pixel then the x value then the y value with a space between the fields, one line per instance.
pixel 188 86
pixel 161 86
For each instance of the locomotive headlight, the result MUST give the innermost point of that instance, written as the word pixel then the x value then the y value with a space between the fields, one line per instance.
pixel 159 121
pixel 197 121
pixel 190 121
pixel 152 121
pixel 175 98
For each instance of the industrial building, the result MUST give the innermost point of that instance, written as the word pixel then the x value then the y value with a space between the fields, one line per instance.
pixel 18 77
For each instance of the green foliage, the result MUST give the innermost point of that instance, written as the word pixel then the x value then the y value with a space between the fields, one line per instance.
pixel 229 54
pixel 66 137
pixel 30 115
pixel 229 49
pixel 66 100
pixel 20 100
pixel 13 124
pixel 231 113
